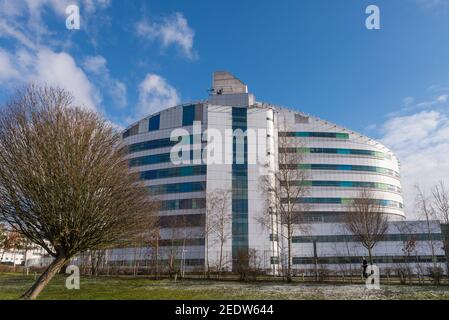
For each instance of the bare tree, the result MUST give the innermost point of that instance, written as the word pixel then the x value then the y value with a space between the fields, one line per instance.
pixel 154 245
pixel 218 217
pixel 3 240
pixel 96 260
pixel 426 211
pixel 441 201
pixel 410 249
pixel 348 248
pixel 178 230
pixel 248 265
pixel 366 220
pixel 285 187
pixel 440 195
pixel 64 181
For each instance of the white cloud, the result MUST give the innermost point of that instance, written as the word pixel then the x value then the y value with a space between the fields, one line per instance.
pixel 442 98
pixel 156 94
pixel 410 104
pixel 7 31
pixel 37 56
pixel 46 66
pixel 91 6
pixel 97 66
pixel 408 101
pixel 60 69
pixel 171 30
pixel 421 142
pixel 7 69
pixel 37 53
pixel 25 17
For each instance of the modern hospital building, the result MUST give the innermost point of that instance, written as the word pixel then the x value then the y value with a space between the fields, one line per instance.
pixel 340 163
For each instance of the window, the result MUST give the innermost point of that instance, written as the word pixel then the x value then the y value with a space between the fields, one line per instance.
pixel 356 259
pixel 154 123
pixel 370 153
pixel 185 204
pixel 301 119
pixel 178 188
pixel 156 144
pixel 173 172
pixel 188 115
pixel 343 167
pixel 151 144
pixel 158 158
pixel 345 201
pixel 349 184
pixel 335 135
pixel 239 186
pixel 181 242
pixel 131 131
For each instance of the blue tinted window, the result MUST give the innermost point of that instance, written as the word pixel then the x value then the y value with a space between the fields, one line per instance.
pixel 154 123
pixel 157 158
pixel 156 144
pixel 183 204
pixel 382 202
pixel 302 134
pixel 178 187
pixel 343 167
pixel 173 172
pixel 239 187
pixel 188 115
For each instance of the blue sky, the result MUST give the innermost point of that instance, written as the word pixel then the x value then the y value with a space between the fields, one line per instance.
pixel 131 58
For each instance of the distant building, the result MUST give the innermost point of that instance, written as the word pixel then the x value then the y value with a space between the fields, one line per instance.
pixel 32 256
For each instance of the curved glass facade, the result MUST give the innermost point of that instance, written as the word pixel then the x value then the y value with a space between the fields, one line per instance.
pixel 339 164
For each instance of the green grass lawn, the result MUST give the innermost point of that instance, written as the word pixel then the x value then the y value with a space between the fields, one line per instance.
pixel 12 285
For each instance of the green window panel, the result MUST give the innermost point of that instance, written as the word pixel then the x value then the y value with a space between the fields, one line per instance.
pixel 159 143
pixel 348 184
pixel 344 201
pixel 358 259
pixel 359 152
pixel 352 238
pixel 303 134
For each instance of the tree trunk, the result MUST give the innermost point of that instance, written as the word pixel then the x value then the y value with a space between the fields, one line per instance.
pixel 157 259
pixel 446 254
pixel 93 262
pixel 220 263
pixel 370 256
pixel 289 255
pixel 207 265
pixel 447 265
pixel 45 278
